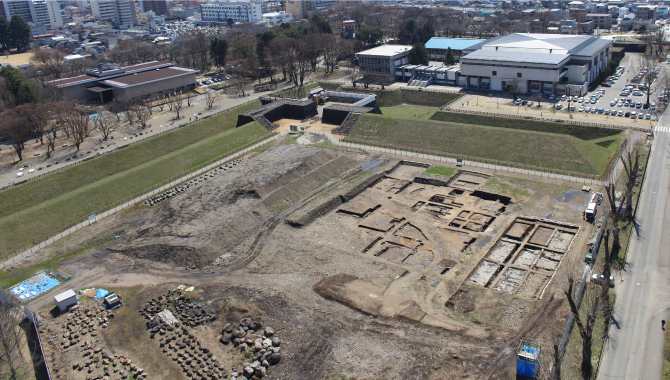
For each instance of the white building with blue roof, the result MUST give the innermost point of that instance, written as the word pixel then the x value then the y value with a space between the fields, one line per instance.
pixel 548 63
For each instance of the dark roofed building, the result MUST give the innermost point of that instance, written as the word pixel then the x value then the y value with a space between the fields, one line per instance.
pixel 109 82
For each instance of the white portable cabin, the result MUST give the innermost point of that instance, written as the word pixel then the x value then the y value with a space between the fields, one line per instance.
pixel 66 300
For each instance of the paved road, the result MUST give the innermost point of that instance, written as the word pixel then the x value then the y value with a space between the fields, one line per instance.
pixel 635 347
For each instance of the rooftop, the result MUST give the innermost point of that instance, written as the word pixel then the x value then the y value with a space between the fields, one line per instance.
pixel 135 79
pixel 386 50
pixel 65 295
pixel 514 56
pixel 453 43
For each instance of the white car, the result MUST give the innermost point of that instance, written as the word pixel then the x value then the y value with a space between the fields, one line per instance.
pixel 613 103
pixel 619 104
pixel 620 113
pixel 581 109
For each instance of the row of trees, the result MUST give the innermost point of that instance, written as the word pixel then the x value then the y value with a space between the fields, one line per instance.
pixel 43 122
pixel 597 302
pixel 15 34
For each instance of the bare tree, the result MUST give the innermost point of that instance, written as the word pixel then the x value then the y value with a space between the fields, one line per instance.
pixel 210 98
pixel 142 112
pixel 14 131
pixel 105 123
pixel 77 123
pixel 11 345
pixel 177 103
pixel 332 50
pixel 585 323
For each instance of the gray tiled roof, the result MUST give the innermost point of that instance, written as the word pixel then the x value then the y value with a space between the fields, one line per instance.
pixel 513 56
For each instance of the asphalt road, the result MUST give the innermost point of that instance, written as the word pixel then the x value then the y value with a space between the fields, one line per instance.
pixel 635 347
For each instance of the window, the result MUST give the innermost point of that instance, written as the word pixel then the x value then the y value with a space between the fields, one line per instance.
pixel 518 75
pixel 494 73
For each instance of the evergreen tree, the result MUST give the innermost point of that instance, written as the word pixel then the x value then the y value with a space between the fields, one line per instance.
pixel 418 55
pixel 320 25
pixel 4 33
pixel 19 33
pixel 217 51
pixel 449 59
pixel 370 35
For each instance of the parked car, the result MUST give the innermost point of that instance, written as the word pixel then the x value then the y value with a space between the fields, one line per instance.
pixel 559 106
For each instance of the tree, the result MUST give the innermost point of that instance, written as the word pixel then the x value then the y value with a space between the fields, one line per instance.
pixel 19 33
pixel 14 131
pixel 77 123
pixel 105 123
pixel 210 98
pixel 371 36
pixel 449 59
pixel 320 25
pixel 642 28
pixel 177 103
pixel 4 33
pixel 218 47
pixel 585 324
pixel 332 49
pixel 512 86
pixel 418 55
pixel 11 346
pixel 51 62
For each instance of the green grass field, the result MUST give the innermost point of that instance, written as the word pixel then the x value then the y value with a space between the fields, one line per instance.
pixel 418 98
pixel 413 128
pixel 441 170
pixel 37 209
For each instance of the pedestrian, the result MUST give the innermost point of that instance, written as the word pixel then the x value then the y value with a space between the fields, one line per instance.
pixel 663 324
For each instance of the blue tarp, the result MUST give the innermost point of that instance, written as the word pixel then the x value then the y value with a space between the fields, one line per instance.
pixel 34 286
pixel 453 43
pixel 101 294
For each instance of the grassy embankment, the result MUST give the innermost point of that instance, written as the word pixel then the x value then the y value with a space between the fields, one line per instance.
pixel 547 146
pixel 38 209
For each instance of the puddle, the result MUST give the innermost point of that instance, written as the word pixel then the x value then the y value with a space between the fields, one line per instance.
pixel 568 196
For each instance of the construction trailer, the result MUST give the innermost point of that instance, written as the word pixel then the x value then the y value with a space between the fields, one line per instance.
pixel 65 300
pixel 528 360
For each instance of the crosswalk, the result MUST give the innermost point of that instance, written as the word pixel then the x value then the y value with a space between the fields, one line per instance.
pixel 660 128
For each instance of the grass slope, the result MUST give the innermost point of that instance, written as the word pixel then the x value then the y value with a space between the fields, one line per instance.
pixel 38 208
pixel 557 152
pixel 579 131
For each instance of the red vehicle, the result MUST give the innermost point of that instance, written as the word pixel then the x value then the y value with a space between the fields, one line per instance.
pixel 605 84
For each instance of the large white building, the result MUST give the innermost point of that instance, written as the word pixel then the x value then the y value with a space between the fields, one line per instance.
pixel 383 60
pixel 44 13
pixel 119 12
pixel 238 11
pixel 549 63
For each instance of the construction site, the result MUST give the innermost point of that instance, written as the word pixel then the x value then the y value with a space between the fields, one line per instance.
pixel 365 265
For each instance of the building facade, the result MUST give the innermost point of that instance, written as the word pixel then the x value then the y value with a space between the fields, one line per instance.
pixel 108 82
pixel 536 62
pixel 159 7
pixel 43 13
pixel 383 60
pixel 121 13
pixel 238 11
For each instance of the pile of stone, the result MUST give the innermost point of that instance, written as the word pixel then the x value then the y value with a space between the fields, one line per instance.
pixel 96 359
pixel 192 183
pixel 261 342
pixel 188 312
pixel 176 341
pixel 82 322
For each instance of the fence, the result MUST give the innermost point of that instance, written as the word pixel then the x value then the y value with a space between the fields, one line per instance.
pixel 135 199
pixel 33 317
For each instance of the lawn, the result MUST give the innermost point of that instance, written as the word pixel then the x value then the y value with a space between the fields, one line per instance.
pixel 409 112
pixel 441 170
pixel 419 98
pixel 37 209
pixel 554 152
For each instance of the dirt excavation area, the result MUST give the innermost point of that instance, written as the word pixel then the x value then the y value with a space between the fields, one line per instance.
pixel 301 262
